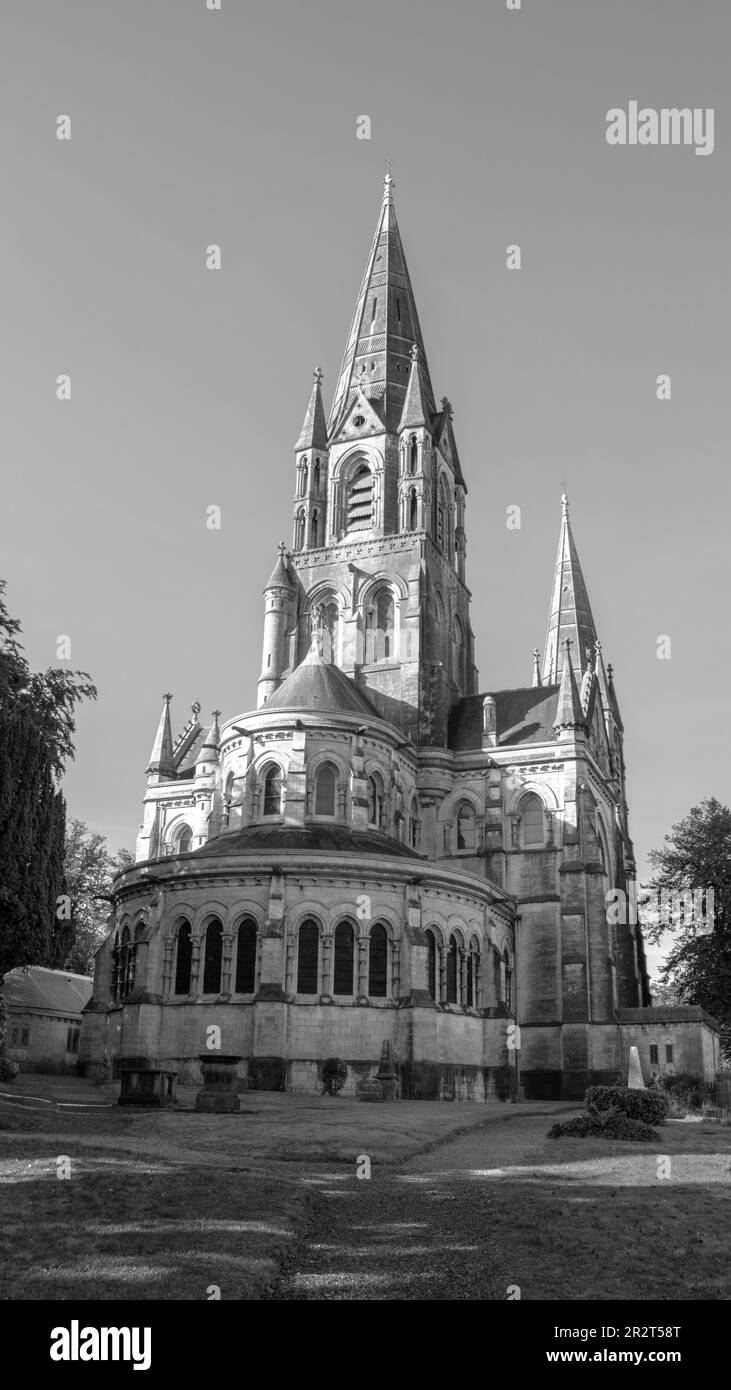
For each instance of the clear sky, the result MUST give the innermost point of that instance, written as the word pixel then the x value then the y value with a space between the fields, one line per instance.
pixel 191 127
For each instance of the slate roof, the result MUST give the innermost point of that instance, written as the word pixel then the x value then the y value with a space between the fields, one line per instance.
pixel 318 685
pixel 525 715
pixel 52 991
pixel 271 839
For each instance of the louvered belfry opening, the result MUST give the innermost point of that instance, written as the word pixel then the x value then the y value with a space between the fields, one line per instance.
pixel 360 500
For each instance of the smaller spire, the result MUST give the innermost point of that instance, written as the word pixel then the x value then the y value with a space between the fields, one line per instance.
pixel 313 434
pixel 209 747
pixel 161 762
pixel 415 414
pixel 280 577
pixel 536 667
pixel 569 712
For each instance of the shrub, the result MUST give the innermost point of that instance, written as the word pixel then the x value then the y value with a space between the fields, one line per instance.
pixel 649 1107
pixel 334 1072
pixel 607 1124
pixel 685 1091
pixel 8 1069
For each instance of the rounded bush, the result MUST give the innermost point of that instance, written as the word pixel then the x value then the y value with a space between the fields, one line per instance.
pixel 334 1072
pixel 649 1107
pixel 607 1124
pixel 8 1069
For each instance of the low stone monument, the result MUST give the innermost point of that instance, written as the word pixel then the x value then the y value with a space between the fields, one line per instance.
pixel 384 1085
pixel 635 1079
pixel 146 1083
pixel 218 1094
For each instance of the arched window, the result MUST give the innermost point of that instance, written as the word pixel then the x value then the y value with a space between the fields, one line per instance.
pixel 458 673
pixel 316 476
pixel 344 959
pixel 184 840
pixel 413 509
pixel 359 507
pixel 431 964
pixel 473 973
pixel 272 791
pixel 327 618
pixel 308 950
pixel 246 957
pixel 378 962
pixel 114 988
pixel 380 644
pixel 325 790
pixel 315 529
pixel 183 959
pixel 531 814
pixel 213 957
pixel 126 965
pixel 452 972
pixel 299 529
pixel 443 517
pixel 466 827
pixel 440 630
pixel 375 801
pixel 413 454
pixel 414 823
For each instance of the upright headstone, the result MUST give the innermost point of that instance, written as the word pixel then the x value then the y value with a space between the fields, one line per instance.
pixel 635 1079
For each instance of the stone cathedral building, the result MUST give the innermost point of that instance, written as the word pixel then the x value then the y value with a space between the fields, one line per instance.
pixel 383 849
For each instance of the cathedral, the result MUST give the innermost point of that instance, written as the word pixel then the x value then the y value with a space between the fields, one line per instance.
pixel 381 851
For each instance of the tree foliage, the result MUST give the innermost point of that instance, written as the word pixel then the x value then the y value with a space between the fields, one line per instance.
pixel 88 870
pixel 697 854
pixel 37 724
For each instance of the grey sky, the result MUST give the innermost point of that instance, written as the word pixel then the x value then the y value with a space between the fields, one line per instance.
pixel 188 386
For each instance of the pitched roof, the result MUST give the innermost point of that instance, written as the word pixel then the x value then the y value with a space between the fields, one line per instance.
pixel 263 839
pixel 281 576
pixel 318 685
pixel 569 614
pixel 524 715
pixel 385 325
pixel 668 1013
pixel 53 991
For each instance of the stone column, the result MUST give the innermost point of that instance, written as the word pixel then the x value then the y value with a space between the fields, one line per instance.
pixel 462 975
pixel 195 963
pixel 395 991
pixel 362 968
pixel 227 962
pixel 442 967
pixel 326 966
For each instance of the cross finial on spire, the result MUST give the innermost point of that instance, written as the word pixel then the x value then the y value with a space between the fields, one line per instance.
pixel 282 549
pixel 388 185
pixel 414 352
pixel 167 697
pixel 196 708
pixel 318 375
pixel 564 496
pixel 215 714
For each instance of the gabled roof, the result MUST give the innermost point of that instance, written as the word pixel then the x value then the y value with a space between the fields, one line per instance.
pixel 319 685
pixel 52 991
pixel 385 325
pixel 525 715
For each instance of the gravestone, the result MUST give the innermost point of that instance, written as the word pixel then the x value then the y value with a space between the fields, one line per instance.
pixel 635 1079
pixel 384 1085
pixel 218 1094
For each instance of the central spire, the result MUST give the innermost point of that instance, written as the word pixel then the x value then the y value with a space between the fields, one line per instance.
pixel 385 326
pixel 570 612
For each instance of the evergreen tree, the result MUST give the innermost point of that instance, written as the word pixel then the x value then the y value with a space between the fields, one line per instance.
pixel 36 739
pixel 697 855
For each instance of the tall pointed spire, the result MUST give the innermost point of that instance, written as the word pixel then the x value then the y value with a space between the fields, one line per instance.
pixel 385 325
pixel 416 412
pixel 161 762
pixel 569 713
pixel 313 434
pixel 570 613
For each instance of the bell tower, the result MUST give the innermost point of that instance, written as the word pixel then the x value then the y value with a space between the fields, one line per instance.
pixel 378 544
